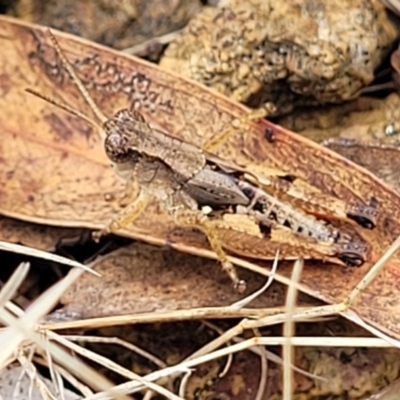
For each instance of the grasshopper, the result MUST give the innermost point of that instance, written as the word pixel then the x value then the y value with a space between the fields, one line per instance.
pixel 201 190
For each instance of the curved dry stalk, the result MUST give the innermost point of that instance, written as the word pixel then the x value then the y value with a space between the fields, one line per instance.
pixel 185 379
pixel 244 302
pixel 30 251
pixel 35 378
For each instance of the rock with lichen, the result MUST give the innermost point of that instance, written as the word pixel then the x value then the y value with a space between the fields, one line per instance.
pixel 296 51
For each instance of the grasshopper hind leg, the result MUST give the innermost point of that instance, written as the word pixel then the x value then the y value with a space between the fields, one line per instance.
pixel 198 219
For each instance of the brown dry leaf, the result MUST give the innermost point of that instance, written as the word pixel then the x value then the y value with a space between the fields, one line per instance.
pixel 37 236
pixel 143 278
pixel 381 159
pixel 54 170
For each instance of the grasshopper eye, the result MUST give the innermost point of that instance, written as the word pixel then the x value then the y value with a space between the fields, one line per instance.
pixel 133 156
pixel 116 147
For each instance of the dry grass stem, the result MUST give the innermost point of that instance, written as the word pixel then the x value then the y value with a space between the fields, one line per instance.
pixel 289 332
pixel 118 341
pixel 44 255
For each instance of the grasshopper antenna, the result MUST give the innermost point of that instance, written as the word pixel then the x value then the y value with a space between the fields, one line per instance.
pixel 67 109
pixel 102 118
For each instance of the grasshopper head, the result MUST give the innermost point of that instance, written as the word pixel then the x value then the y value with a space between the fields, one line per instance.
pixel 123 136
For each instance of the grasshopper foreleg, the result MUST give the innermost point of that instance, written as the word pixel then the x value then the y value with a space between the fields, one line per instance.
pixel 126 216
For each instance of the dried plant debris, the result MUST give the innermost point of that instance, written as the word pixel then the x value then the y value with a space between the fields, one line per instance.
pixel 40 237
pixel 143 278
pixel 118 24
pixel 364 119
pixel 254 51
pixel 146 279
pixel 19 384
pixel 350 373
pixel 334 373
pixel 170 344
